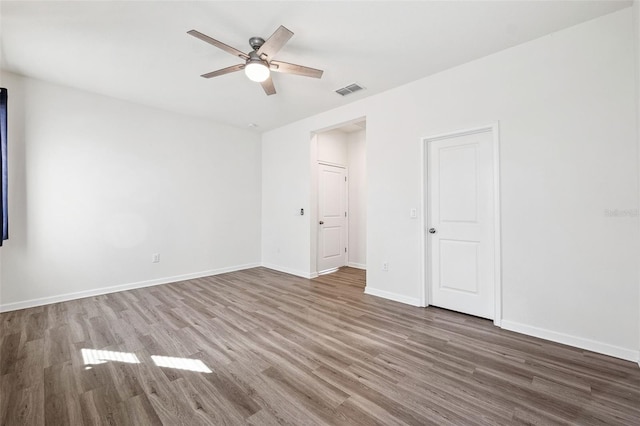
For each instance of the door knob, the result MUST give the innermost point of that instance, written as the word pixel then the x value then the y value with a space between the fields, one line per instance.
pixel 322 222
pixel 432 230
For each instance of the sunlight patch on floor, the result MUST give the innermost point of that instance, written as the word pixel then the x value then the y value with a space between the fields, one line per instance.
pixel 96 357
pixel 181 363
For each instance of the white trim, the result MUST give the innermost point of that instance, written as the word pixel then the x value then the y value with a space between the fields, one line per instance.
pixel 290 271
pixel 347 250
pixel 497 226
pixel 425 294
pixel 328 271
pixel 357 265
pixel 341 124
pixel 413 301
pixel 313 205
pixel 327 163
pixel 458 133
pixel 567 339
pixel 116 288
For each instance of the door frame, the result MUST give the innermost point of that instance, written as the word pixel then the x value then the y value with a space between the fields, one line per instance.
pixel 346 222
pixel 426 296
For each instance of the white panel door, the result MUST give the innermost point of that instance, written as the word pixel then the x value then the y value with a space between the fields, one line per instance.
pixel 461 223
pixel 332 212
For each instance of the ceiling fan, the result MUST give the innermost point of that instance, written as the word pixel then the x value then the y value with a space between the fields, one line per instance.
pixel 259 62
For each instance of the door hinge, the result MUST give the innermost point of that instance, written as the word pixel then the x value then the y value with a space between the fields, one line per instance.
pixel 345 214
pixel 345 178
pixel 345 249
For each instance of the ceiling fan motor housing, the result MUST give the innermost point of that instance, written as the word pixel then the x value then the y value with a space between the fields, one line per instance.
pixel 256 42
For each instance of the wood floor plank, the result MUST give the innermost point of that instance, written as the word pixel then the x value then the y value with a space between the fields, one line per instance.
pixel 352 413
pixel 61 402
pixel 57 344
pixel 24 406
pixel 261 347
pixel 101 406
pixel 163 395
pixel 139 411
pixel 9 352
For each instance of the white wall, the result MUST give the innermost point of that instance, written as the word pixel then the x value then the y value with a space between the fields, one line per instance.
pixel 356 147
pixel 332 147
pixel 286 186
pixel 569 152
pixel 98 185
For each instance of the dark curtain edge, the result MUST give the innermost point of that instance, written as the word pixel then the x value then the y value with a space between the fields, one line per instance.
pixel 4 184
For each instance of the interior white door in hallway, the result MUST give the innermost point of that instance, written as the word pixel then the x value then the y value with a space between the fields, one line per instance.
pixel 460 223
pixel 332 218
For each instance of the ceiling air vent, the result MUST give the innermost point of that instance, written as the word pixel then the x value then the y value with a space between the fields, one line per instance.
pixel 347 90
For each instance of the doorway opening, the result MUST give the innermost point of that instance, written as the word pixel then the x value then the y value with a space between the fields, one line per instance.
pixel 338 213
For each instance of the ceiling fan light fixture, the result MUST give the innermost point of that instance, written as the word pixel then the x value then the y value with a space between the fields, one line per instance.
pixel 259 63
pixel 256 71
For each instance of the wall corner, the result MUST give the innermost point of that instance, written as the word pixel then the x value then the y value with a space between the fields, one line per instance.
pixel 636 37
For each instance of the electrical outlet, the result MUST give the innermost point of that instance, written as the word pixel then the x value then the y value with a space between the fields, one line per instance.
pixel 385 266
pixel 155 258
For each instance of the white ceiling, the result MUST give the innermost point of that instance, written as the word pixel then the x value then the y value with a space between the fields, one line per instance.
pixel 139 51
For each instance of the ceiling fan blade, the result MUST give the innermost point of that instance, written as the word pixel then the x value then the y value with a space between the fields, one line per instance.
pixel 274 43
pixel 288 68
pixel 268 86
pixel 223 71
pixel 218 44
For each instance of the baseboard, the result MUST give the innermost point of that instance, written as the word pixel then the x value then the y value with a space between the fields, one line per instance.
pixel 578 342
pixel 122 287
pixel 413 301
pixel 306 275
pixel 357 265
pixel 290 271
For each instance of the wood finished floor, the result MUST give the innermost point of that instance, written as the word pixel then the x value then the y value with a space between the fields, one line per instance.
pixel 285 350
